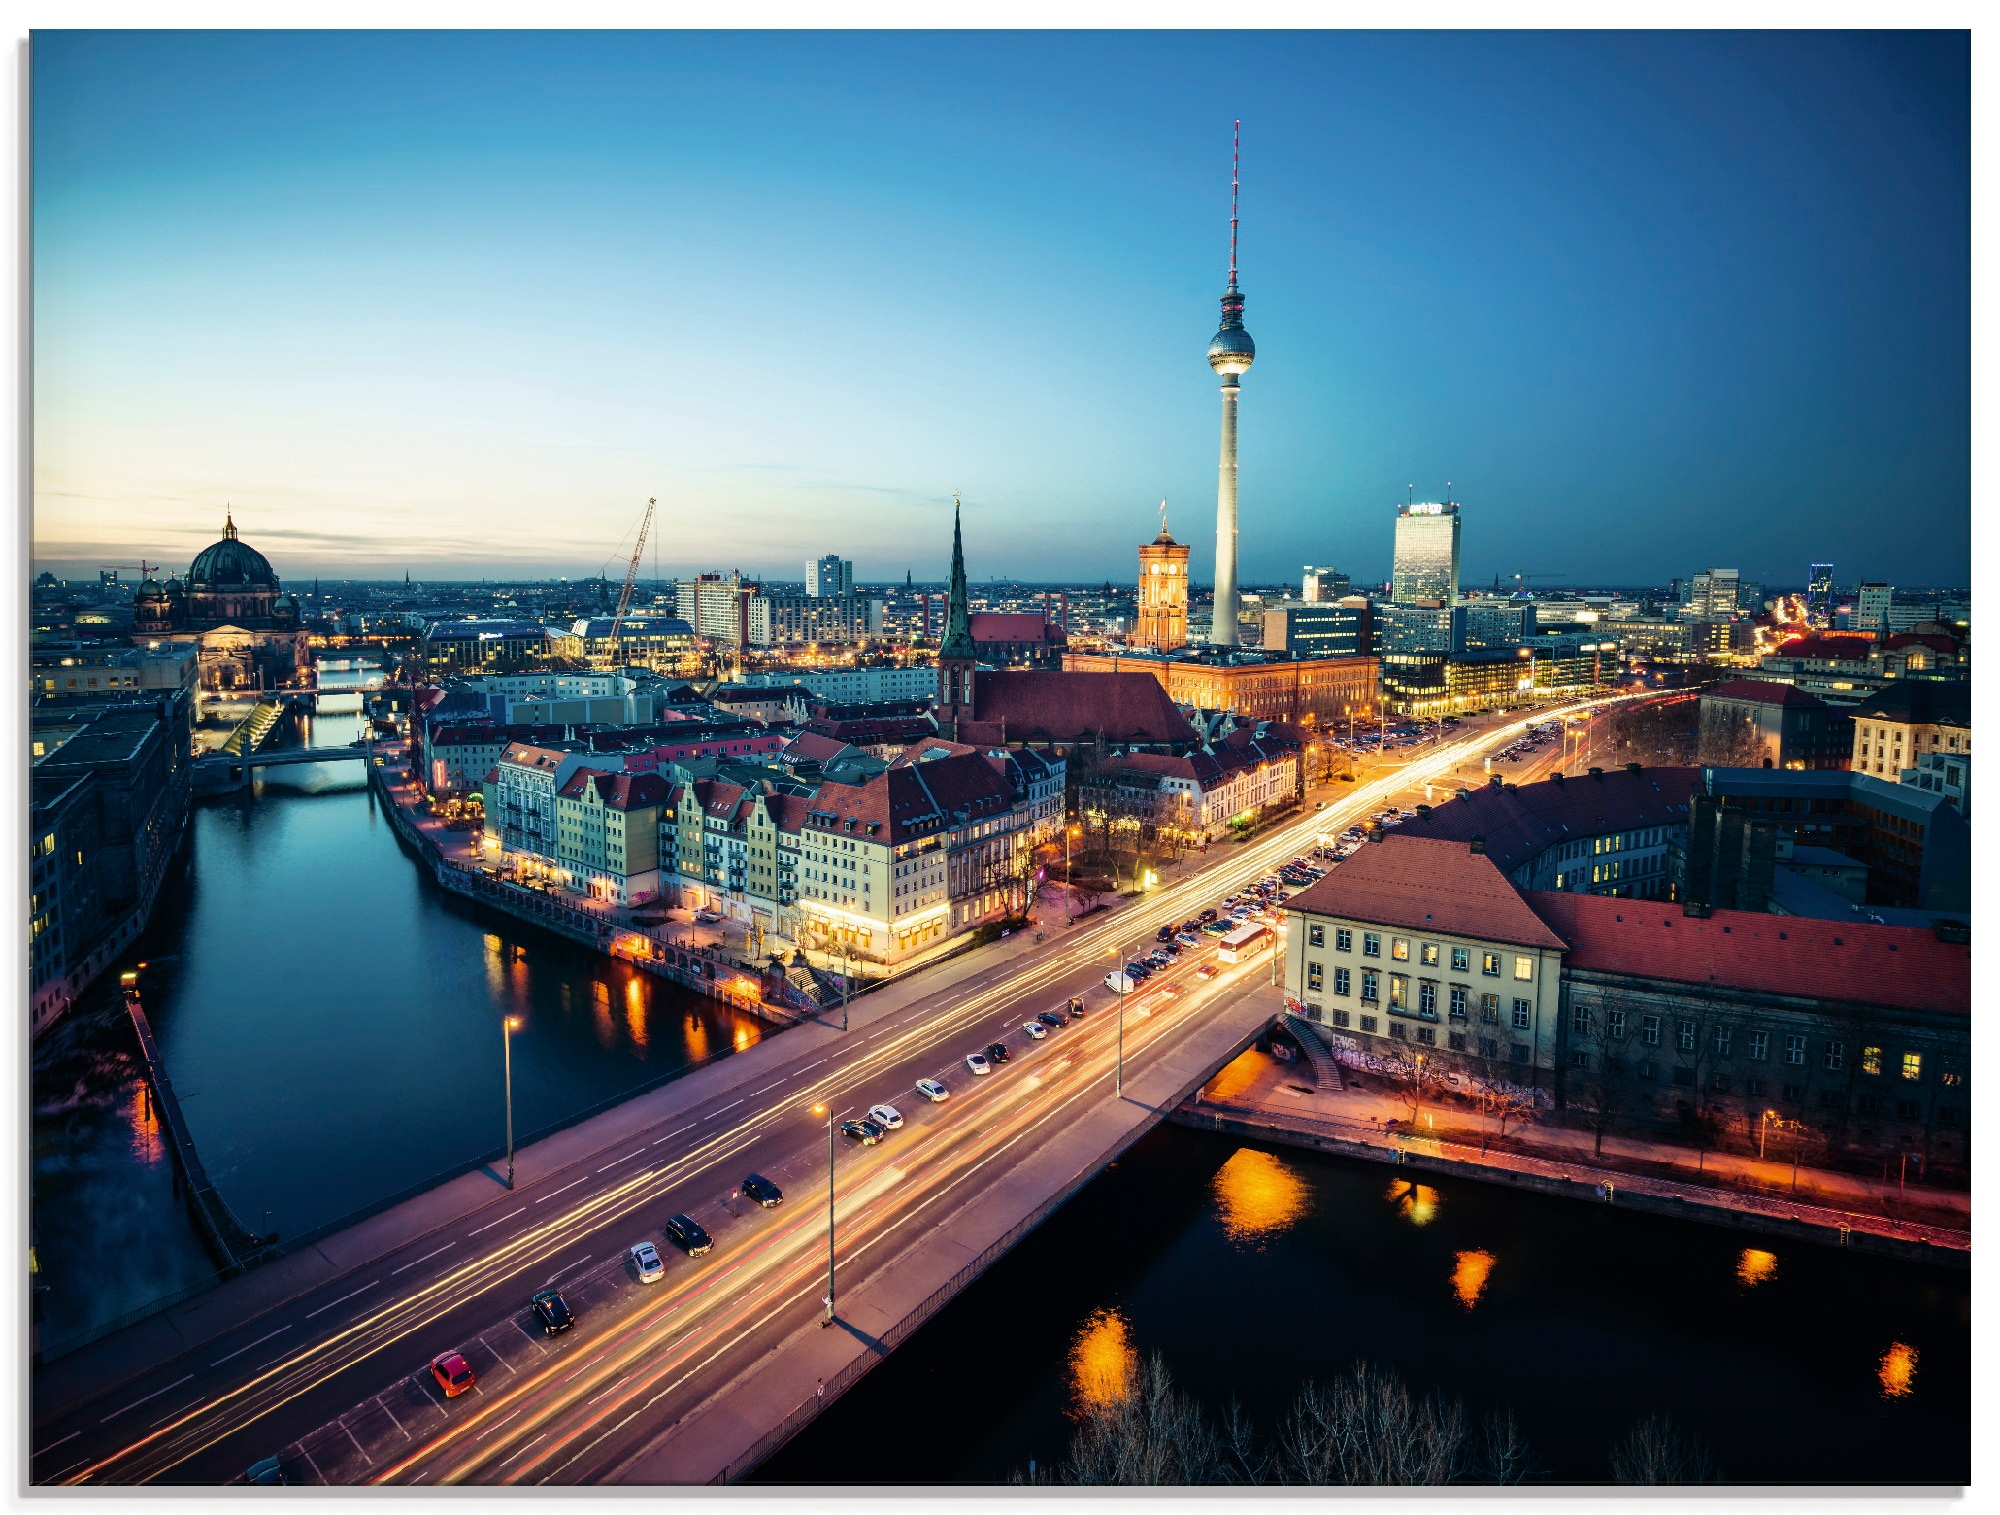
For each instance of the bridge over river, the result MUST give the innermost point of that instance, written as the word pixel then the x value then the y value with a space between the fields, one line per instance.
pixel 319 1357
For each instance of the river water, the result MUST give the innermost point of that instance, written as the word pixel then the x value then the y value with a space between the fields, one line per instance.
pixel 332 1023
pixel 1253 1268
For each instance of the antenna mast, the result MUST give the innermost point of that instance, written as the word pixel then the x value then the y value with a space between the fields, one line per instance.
pixel 1235 160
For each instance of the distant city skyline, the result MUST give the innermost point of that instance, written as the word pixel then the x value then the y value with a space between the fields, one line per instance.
pixel 457 303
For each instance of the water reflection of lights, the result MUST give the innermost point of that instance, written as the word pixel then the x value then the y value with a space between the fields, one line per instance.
pixel 635 1013
pixel 1101 1362
pixel 694 1035
pixel 744 1036
pixel 1258 1196
pixel 1416 1203
pixel 1898 1371
pixel 1755 1267
pixel 147 1146
pixel 1469 1275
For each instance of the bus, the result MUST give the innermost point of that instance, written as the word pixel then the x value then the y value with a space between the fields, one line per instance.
pixel 1242 943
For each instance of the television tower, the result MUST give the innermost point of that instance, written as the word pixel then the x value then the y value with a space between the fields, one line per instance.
pixel 1230 354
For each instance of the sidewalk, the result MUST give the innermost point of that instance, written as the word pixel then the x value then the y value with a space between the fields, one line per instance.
pixel 1258 1087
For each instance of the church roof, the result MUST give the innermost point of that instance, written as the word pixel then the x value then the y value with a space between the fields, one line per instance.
pixel 1056 705
pixel 230 564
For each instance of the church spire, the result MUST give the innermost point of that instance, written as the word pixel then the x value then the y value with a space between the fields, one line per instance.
pixel 228 524
pixel 957 641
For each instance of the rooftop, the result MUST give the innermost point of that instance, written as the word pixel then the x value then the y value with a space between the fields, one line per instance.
pixel 1773 954
pixel 1763 692
pixel 1424 884
pixel 1521 821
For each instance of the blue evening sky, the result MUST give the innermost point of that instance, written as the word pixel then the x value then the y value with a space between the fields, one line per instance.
pixel 459 302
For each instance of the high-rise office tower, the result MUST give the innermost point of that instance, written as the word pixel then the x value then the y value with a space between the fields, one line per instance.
pixel 1321 586
pixel 1871 606
pixel 829 576
pixel 1163 592
pixel 1819 596
pixel 1716 594
pixel 1426 563
pixel 1230 355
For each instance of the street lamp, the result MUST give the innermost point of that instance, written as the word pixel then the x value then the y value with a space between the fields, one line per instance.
pixel 831 1119
pixel 508 1027
pixel 1123 980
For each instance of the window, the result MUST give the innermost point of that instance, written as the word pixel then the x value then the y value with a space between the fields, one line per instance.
pixel 1315 977
pixel 1649 1030
pixel 1614 1024
pixel 1520 1053
pixel 1488 1047
pixel 1427 998
pixel 1948 1115
pixel 1871 1060
pixel 1368 1024
pixel 1523 1014
pixel 1489 964
pixel 1722 1035
pixel 1524 968
pixel 1753 1086
pixel 1950 1075
pixel 1427 1036
pixel 1760 1046
pixel 1458 1002
pixel 1867 1104
pixel 1429 954
pixel 1913 1065
pixel 1795 1051
pixel 1909 1109
pixel 1343 939
pixel 1457 1040
pixel 1370 985
pixel 1398 1030
pixel 1649 1070
pixel 1461 960
pixel 1830 1099
pixel 1489 1009
pixel 1315 936
pixel 1686 1030
pixel 1718 1083
pixel 1835 1057
pixel 1792 1091
pixel 1399 991
pixel 1340 1017
pixel 1579 1059
pixel 1340 981
pixel 1371 944
pixel 1399 948
pixel 1579 1020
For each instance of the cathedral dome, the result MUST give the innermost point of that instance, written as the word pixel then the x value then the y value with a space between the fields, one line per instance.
pixel 231 564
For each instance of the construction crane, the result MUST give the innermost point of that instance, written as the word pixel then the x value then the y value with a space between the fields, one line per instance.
pixel 142 566
pixel 631 575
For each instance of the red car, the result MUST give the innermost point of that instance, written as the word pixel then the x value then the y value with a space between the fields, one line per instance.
pixel 452 1372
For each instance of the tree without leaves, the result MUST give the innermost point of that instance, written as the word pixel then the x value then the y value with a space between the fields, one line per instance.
pixel 1152 1435
pixel 1367 1429
pixel 1656 1451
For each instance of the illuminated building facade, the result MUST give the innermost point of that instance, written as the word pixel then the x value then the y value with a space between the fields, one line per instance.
pixel 1163 594
pixel 1262 686
pixel 1819 597
pixel 1426 562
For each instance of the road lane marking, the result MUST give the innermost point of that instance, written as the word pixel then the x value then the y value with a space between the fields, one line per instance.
pixel 342 1300
pixel 768 1087
pixel 424 1259
pixel 672 1134
pixel 172 1413
pixel 563 1190
pixel 723 1111
pixel 257 1343
pixel 607 1388
pixel 492 1223
pixel 357 1445
pixel 565 1271
pixel 54 1444
pixel 498 1424
pixel 525 1450
pixel 137 1402
pixel 617 1160
pixel 392 1418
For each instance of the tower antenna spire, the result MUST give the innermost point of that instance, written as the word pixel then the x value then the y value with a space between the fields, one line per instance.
pixel 1235 162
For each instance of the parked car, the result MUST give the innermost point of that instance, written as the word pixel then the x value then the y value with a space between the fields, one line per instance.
pixel 1165 933
pixel 1076 1008
pixel 552 1310
pixel 1208 915
pixel 763 1191
pixel 997 1052
pixel 266 1473
pixel 453 1374
pixel 1035 1029
pixel 646 1258
pixel 685 1232
pixel 933 1091
pixel 708 917
pixel 1188 939
pixel 888 1117
pixel 1054 1019
pixel 864 1131
pixel 977 1063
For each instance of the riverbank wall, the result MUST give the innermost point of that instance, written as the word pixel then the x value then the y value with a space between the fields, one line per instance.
pixel 767 996
pixel 1766 1216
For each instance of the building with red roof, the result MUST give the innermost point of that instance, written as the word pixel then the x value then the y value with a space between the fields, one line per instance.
pixel 1759 723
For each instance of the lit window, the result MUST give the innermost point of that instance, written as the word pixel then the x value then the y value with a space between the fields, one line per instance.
pixel 1913 1065
pixel 1524 968
pixel 1399 948
pixel 1489 964
pixel 1871 1060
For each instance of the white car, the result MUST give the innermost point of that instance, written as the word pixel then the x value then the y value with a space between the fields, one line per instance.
pixel 1035 1029
pixel 976 1061
pixel 888 1117
pixel 646 1258
pixel 933 1091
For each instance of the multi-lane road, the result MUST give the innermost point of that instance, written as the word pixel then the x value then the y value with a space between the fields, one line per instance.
pixel 334 1381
